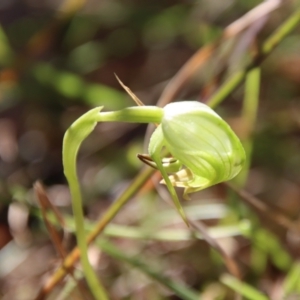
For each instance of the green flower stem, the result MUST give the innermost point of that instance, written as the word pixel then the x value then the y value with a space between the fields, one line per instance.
pixel 137 114
pixel 268 46
pixel 132 189
pixel 74 136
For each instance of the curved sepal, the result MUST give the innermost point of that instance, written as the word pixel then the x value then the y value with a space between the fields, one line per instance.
pixel 155 146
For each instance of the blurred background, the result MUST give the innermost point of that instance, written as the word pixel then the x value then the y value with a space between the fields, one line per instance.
pixel 58 59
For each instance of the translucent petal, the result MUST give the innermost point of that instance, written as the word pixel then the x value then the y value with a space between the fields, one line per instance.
pixel 202 141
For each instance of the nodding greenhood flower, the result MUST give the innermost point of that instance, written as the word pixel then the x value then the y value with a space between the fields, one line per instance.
pixel 204 144
pixel 205 151
pixel 204 148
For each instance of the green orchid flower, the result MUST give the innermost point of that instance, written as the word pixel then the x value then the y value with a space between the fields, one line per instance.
pixel 202 142
pixel 204 149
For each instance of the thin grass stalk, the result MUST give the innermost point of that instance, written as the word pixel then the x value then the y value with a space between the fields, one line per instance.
pixel 268 46
pixel 249 115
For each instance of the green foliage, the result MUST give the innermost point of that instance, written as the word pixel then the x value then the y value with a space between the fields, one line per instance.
pixel 58 62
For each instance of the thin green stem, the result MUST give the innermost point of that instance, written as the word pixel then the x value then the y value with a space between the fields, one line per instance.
pixel 72 141
pixel 74 136
pixel 132 189
pixel 234 80
pixel 290 24
pixel 251 100
pixel 249 114
pixel 136 114
pixel 227 88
